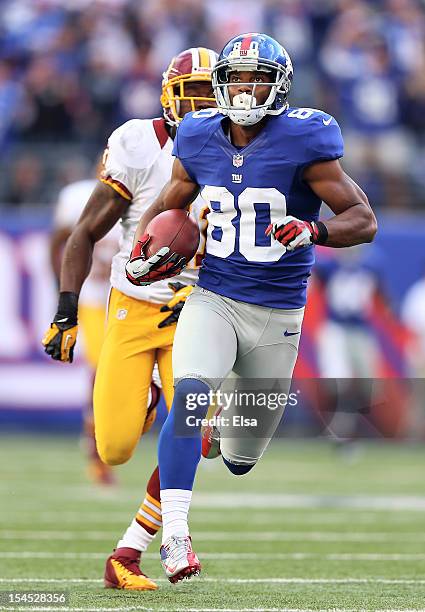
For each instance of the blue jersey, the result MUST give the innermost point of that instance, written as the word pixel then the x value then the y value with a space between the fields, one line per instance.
pixel 248 188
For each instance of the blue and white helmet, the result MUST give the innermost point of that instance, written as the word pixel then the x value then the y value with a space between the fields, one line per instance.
pixel 252 52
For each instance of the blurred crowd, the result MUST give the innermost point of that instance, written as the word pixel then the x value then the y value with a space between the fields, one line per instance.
pixel 71 72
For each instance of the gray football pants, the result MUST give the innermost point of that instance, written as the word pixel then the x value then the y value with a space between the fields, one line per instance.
pixel 218 338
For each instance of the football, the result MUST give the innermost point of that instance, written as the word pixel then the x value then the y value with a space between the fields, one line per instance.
pixel 176 229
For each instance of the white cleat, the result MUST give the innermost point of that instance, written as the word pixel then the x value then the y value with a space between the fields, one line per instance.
pixel 178 559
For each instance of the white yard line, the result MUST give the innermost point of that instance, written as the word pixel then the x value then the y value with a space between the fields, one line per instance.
pixel 305 581
pixel 230 536
pixel 246 501
pixel 314 516
pixel 227 556
pixel 256 500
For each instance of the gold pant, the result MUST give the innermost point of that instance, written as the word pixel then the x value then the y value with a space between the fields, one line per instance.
pixel 131 345
pixel 91 320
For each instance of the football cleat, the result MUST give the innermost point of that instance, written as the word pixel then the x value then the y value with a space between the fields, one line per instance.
pixel 178 559
pixel 122 571
pixel 211 437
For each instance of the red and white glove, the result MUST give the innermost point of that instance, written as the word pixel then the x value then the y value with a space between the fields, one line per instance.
pixel 294 233
pixel 142 270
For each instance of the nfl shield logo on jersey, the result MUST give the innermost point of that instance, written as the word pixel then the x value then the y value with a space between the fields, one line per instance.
pixel 237 160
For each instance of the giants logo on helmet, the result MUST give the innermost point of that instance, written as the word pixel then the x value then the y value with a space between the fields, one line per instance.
pixel 246 48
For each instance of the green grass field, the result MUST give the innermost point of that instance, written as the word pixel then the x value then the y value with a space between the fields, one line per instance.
pixel 306 530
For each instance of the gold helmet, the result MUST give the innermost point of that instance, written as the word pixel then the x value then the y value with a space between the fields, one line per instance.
pixel 194 64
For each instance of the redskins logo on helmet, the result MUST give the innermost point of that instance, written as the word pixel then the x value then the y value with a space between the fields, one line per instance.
pixel 194 64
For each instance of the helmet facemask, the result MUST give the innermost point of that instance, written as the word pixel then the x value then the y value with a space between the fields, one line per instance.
pixel 173 92
pixel 243 109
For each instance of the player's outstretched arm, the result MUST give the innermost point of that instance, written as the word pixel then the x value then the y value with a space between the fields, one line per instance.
pixel 354 221
pixel 102 211
pixel 179 192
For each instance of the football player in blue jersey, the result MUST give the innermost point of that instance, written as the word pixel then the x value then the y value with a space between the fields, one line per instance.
pixel 264 169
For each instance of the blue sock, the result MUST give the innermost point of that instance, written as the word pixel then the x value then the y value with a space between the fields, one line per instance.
pixel 179 448
pixel 237 469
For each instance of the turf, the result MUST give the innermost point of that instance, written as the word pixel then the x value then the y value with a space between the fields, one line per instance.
pixel 311 528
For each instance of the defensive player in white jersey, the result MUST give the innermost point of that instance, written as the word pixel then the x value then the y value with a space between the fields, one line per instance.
pixel 264 168
pixel 93 297
pixel 137 164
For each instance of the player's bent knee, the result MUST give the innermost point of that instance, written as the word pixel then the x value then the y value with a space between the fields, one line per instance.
pixel 239 469
pixel 113 454
pixel 192 395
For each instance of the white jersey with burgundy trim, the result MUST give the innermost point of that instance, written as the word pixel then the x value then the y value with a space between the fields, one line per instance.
pixel 71 202
pixel 137 164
